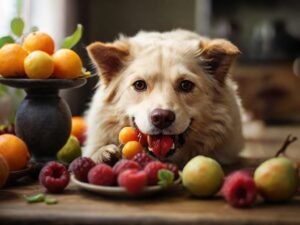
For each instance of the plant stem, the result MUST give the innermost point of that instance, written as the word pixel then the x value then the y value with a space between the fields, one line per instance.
pixel 289 140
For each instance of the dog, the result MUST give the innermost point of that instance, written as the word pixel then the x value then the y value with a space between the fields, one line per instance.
pixel 172 85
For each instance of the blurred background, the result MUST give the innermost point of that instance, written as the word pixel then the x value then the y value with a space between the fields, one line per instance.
pixel 267 32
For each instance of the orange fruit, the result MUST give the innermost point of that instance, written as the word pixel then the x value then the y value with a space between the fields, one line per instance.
pixel 15 151
pixel 79 128
pixel 67 64
pixel 39 41
pixel 131 148
pixel 38 65
pixel 128 134
pixel 12 60
pixel 4 171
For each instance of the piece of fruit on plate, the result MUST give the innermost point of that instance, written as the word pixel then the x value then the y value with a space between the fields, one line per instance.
pixel 136 177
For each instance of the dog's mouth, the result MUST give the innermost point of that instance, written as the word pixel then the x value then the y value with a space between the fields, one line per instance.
pixel 160 145
pixel 164 146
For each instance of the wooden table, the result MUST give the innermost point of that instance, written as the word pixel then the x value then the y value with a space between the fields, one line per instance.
pixel 174 207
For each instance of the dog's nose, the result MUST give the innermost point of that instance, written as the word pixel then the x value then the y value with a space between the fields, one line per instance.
pixel 162 118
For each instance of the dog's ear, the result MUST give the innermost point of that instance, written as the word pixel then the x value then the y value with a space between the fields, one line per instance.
pixel 108 57
pixel 217 56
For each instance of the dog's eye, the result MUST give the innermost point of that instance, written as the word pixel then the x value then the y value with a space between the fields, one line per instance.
pixel 140 85
pixel 186 86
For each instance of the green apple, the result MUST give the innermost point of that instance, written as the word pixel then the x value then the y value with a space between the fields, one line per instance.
pixel 202 176
pixel 276 179
pixel 70 151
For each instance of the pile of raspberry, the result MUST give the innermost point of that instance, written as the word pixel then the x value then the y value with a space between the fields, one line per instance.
pixel 132 174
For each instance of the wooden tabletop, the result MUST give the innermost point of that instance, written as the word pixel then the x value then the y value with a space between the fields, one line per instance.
pixel 172 207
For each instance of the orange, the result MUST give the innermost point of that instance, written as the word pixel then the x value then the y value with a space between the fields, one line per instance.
pixel 4 171
pixel 15 151
pixel 131 148
pixel 39 41
pixel 38 65
pixel 79 128
pixel 12 60
pixel 128 134
pixel 67 64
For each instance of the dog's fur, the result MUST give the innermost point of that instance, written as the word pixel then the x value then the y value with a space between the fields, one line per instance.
pixel 208 116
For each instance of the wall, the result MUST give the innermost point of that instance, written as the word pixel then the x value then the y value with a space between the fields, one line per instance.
pixel 108 18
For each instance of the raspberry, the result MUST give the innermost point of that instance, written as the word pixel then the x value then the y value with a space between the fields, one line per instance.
pixel 101 174
pixel 80 167
pixel 54 177
pixel 124 164
pixel 133 180
pixel 142 159
pixel 239 189
pixel 152 169
pixel 173 168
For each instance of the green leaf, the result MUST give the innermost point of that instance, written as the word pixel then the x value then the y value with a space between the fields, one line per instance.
pixel 35 198
pixel 51 201
pixel 73 39
pixel 165 178
pixel 17 26
pixel 5 40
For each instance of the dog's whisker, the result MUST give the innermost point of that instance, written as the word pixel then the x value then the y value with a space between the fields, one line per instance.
pixel 193 129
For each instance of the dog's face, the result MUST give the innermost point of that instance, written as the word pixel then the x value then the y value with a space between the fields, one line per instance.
pixel 165 86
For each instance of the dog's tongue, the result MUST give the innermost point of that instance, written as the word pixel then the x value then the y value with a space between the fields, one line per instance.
pixel 160 145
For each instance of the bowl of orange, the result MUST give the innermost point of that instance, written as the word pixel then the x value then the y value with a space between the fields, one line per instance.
pixel 43 119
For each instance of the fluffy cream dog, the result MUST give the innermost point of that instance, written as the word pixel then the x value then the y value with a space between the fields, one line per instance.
pixel 172 85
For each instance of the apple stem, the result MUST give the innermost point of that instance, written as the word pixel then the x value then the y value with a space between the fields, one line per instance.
pixel 289 140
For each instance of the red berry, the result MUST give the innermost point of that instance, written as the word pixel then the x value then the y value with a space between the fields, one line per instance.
pixel 125 164
pixel 80 167
pixel 152 169
pixel 101 174
pixel 160 145
pixel 239 189
pixel 133 180
pixel 54 177
pixel 142 159
pixel 173 168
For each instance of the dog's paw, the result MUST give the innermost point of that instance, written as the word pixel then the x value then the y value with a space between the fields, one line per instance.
pixel 108 154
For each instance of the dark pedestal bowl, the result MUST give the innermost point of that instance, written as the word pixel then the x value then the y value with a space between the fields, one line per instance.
pixel 43 119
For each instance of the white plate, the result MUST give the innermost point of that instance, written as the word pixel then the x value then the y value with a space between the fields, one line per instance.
pixel 119 191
